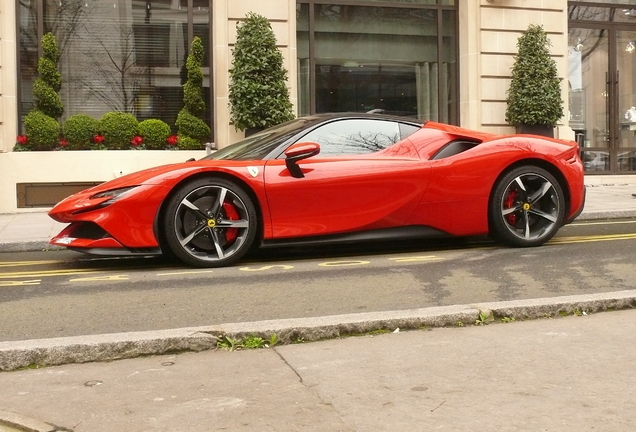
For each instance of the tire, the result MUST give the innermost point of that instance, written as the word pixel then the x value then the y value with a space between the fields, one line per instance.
pixel 210 222
pixel 527 207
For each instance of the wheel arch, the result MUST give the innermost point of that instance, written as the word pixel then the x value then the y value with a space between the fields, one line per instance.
pixel 552 169
pixel 222 175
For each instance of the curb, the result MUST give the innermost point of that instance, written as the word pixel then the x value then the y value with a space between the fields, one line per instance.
pixel 12 422
pixel 28 246
pixel 107 347
pixel 605 215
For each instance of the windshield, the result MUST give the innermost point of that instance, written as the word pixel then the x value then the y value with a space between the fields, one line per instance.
pixel 258 146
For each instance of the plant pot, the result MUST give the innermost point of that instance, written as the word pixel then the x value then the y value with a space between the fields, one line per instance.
pixel 252 131
pixel 541 130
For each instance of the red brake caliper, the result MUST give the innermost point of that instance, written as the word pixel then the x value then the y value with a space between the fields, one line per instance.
pixel 232 214
pixel 509 203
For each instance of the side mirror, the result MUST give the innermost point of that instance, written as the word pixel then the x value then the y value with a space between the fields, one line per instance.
pixel 299 152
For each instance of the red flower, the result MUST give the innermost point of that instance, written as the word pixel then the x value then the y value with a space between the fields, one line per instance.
pixel 98 139
pixel 23 139
pixel 136 140
pixel 63 143
pixel 172 140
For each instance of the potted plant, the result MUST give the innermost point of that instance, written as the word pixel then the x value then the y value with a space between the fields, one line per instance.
pixel 534 97
pixel 258 93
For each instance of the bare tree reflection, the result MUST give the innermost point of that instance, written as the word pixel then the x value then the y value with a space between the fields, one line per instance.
pixel 359 143
pixel 590 41
pixel 109 72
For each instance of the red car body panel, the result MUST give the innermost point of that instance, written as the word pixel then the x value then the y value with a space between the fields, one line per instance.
pixel 403 185
pixel 371 191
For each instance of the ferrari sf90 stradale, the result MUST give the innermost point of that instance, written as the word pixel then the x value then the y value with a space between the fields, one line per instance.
pixel 333 178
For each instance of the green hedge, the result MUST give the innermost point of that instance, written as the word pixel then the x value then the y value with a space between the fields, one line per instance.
pixel 118 128
pixel 188 143
pixel 79 131
pixel 43 131
pixel 155 133
pixel 115 131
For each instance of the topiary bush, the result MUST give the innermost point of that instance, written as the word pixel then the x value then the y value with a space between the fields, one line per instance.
pixel 42 130
pixel 258 94
pixel 49 81
pixel 41 127
pixel 534 95
pixel 118 129
pixel 192 126
pixel 79 131
pixel 189 143
pixel 188 122
pixel 155 133
pixel 192 89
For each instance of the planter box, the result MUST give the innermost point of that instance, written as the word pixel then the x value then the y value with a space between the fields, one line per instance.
pixel 76 167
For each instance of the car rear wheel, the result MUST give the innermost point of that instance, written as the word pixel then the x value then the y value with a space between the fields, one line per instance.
pixel 527 207
pixel 210 222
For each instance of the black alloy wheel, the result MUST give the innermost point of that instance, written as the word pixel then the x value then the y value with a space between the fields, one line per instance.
pixel 527 207
pixel 210 222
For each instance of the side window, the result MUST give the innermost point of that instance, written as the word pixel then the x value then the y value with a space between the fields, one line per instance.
pixel 354 136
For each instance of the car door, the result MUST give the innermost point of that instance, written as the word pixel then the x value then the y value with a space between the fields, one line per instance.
pixel 366 176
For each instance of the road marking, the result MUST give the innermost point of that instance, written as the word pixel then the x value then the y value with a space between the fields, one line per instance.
pixel 590 239
pixel 48 273
pixel 603 223
pixel 284 267
pixel 185 272
pixel 417 258
pixel 27 263
pixel 343 263
pixel 105 278
pixel 32 275
pixel 20 283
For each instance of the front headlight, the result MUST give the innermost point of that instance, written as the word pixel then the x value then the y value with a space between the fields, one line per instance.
pixel 113 194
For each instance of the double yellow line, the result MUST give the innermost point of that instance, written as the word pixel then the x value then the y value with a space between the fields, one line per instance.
pixel 590 239
pixel 47 273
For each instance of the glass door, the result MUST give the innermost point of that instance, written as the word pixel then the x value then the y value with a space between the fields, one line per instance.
pixel 625 142
pixel 589 83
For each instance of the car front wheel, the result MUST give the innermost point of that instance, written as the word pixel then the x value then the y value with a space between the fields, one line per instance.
pixel 527 207
pixel 210 222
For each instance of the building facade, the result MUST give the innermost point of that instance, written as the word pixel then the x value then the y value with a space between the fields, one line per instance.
pixel 443 60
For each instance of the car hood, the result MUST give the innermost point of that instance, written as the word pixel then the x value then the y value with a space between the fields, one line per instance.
pixel 165 173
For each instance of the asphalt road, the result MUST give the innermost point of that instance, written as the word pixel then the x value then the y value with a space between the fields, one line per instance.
pixel 62 293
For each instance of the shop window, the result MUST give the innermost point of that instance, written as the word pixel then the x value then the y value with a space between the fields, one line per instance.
pixel 115 55
pixel 381 59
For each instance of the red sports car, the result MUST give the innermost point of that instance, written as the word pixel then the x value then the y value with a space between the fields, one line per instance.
pixel 333 178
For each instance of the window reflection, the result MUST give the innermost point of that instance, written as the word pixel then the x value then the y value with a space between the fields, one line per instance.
pixel 381 59
pixel 355 136
pixel 116 55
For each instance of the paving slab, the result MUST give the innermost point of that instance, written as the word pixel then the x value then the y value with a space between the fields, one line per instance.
pixel 563 374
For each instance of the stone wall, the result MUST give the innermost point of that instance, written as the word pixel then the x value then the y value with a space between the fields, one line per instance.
pixel 8 76
pixel 490 30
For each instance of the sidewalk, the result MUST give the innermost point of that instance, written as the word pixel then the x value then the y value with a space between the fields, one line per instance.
pixel 607 197
pixel 564 374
